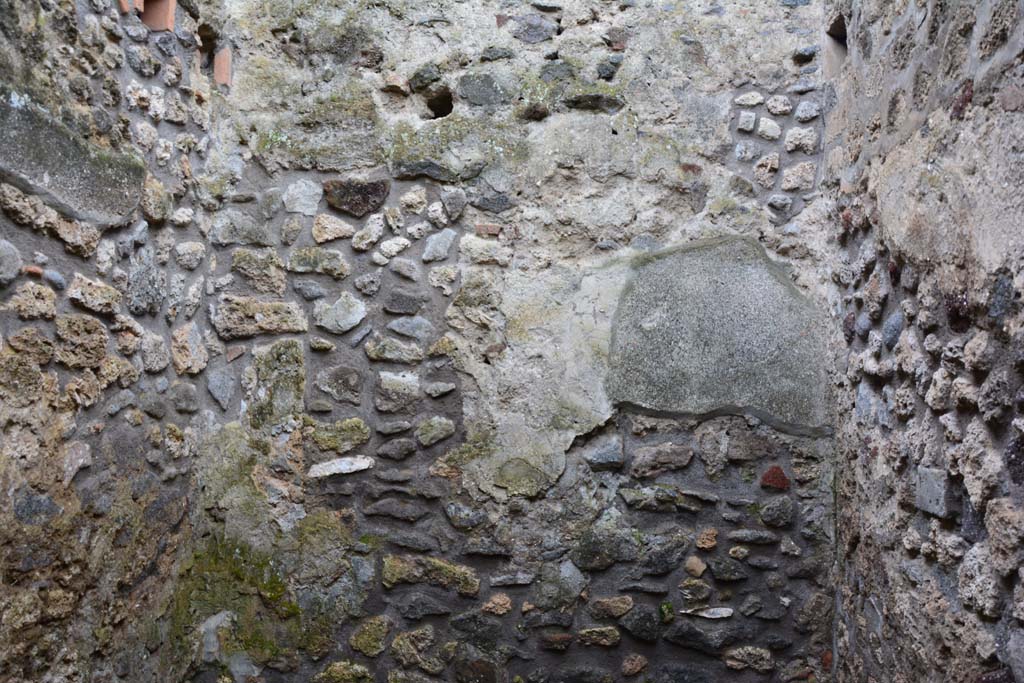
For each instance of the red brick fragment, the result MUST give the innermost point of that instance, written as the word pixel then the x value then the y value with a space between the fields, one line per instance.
pixel 775 478
pixel 222 66
pixel 488 229
pixel 158 15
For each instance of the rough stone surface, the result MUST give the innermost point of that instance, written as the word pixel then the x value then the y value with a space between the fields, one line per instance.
pixel 341 316
pixel 650 341
pixel 10 263
pixel 302 196
pixel 356 197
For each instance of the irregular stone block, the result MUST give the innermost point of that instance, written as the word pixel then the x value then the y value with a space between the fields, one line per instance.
pixel 399 569
pixel 32 301
pixel 327 228
pixel 221 383
pixel 750 99
pixel 604 453
pixel 414 327
pixel 650 461
pixel 933 493
pixel 482 90
pixel 438 245
pixel 261 268
pixel 236 317
pixel 396 391
pixel 94 295
pixel 231 226
pixel 319 260
pixel 346 465
pixel 356 197
pixel 768 129
pixel 80 180
pixel 717 327
pixel 434 429
pixel 391 350
pixel 341 436
pixel 343 383
pixel 188 351
pixel 82 341
pixel 303 197
pixel 10 262
pixel 534 28
pixel 341 316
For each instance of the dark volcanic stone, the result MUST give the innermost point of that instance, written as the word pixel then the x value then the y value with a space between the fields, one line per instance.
pixel 680 673
pixel 663 555
pixel 493 54
pixel 184 397
pixel 581 674
pixel 464 517
pixel 534 111
pixel 412 540
pixel 726 569
pixel 482 90
pixel 475 670
pixel 600 547
pixel 356 197
pixel 477 629
pixel 424 76
pixel 397 449
pixel 607 104
pixel 557 71
pixel 805 54
pixel 707 636
pixel 642 622
pixel 309 289
pixel 534 28
pixel 402 302
pixel 778 512
pixel 604 453
pixel 555 641
pixel 33 508
pixel 410 169
pixel 405 510
pixel 498 202
pixel 891 329
pixel 418 605
pixel 559 586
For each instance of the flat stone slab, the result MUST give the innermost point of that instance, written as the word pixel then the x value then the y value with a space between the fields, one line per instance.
pixel 716 327
pixel 42 156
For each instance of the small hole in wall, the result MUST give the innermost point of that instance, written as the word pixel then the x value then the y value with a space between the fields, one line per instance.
pixel 208 48
pixel 834 46
pixel 837 30
pixel 439 102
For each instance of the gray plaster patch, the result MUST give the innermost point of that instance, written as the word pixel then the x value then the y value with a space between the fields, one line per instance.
pixel 716 327
pixel 84 182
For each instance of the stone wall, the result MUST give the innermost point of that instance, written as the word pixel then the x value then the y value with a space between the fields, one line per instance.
pixel 924 165
pixel 484 341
